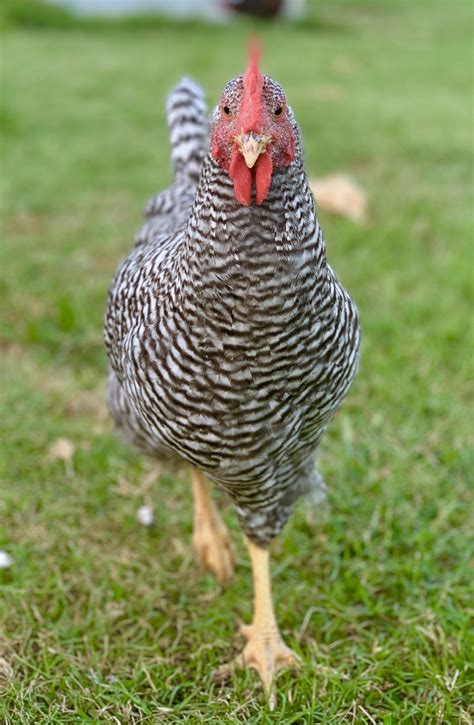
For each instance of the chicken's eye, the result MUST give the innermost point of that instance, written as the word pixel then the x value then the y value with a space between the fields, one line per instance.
pixel 278 111
pixel 226 110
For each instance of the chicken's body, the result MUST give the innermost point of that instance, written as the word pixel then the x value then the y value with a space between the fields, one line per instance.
pixel 230 339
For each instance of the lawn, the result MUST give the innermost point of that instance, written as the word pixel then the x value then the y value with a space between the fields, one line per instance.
pixel 103 620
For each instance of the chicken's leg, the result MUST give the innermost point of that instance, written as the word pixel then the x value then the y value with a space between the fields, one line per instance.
pixel 210 537
pixel 265 650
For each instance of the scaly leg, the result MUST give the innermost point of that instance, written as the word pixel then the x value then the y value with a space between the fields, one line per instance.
pixel 210 537
pixel 265 650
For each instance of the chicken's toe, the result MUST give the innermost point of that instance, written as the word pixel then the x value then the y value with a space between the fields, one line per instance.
pixel 265 652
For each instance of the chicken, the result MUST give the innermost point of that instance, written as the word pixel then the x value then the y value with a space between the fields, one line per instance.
pixel 265 8
pixel 231 341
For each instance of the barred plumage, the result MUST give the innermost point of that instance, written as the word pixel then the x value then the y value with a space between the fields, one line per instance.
pixel 230 339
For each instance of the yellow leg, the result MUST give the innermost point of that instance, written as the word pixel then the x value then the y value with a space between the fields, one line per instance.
pixel 265 650
pixel 210 537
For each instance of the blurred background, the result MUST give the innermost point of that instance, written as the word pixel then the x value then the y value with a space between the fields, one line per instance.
pixel 103 614
pixel 212 10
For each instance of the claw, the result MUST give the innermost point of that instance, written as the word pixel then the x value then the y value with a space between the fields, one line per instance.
pixel 264 652
pixel 214 551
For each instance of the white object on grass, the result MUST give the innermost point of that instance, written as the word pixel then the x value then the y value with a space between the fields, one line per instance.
pixel 5 560
pixel 145 515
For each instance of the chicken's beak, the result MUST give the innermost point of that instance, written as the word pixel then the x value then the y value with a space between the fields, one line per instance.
pixel 251 145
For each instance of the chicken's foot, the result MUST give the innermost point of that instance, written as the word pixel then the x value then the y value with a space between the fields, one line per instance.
pixel 265 650
pixel 211 539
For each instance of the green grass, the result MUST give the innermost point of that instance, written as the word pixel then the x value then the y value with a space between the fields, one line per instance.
pixel 102 620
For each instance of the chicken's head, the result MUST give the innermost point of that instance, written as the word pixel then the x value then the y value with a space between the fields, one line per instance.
pixel 252 133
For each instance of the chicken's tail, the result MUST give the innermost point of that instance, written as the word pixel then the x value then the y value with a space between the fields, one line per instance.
pixel 189 129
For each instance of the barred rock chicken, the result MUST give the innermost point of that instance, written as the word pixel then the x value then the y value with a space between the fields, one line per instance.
pixel 231 341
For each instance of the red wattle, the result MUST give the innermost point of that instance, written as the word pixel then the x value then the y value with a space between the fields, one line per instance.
pixel 263 176
pixel 242 178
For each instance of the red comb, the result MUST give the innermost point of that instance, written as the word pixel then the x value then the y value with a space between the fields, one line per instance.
pixel 251 119
pixel 251 106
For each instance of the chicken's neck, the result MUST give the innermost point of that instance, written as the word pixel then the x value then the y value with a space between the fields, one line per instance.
pixel 274 251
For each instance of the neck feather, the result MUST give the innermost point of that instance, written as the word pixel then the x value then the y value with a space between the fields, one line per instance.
pixel 231 246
